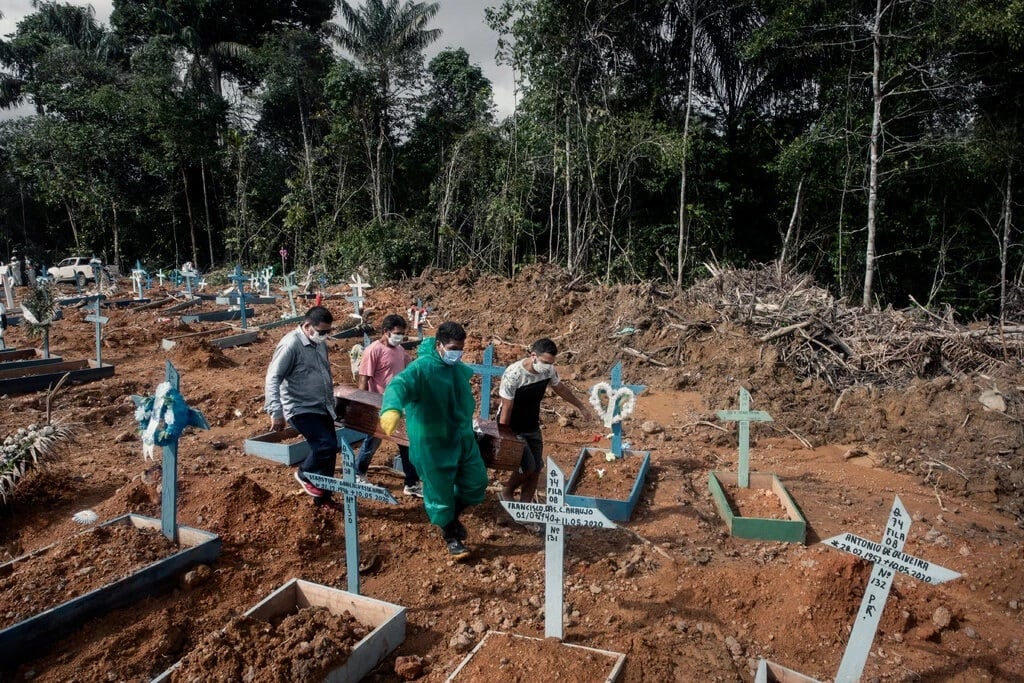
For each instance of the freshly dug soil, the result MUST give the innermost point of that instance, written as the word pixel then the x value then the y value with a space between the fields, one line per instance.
pixel 507 658
pixel 755 503
pixel 305 646
pixel 608 479
pixel 75 566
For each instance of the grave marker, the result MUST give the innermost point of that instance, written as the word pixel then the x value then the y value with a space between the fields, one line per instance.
pixel 351 490
pixel 138 275
pixel 97 271
pixel 290 287
pixel 239 279
pixel 3 327
pixel 7 281
pixel 160 276
pixel 188 273
pixel 555 515
pixel 418 314
pixel 100 321
pixel 357 298
pixel 744 416
pixel 616 384
pixel 168 398
pixel 486 370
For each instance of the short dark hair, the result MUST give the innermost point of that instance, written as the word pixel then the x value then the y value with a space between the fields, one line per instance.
pixel 448 332
pixel 318 315
pixel 392 321
pixel 544 345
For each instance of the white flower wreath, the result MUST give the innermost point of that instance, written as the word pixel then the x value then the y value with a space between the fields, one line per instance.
pixel 621 402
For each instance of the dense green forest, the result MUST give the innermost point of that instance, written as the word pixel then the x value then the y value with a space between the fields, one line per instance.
pixel 876 145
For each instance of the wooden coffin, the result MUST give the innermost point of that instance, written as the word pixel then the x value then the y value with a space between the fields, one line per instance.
pixel 500 447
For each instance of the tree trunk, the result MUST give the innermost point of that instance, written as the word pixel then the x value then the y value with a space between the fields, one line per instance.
pixel 571 257
pixel 1004 244
pixel 74 226
pixel 191 222
pixel 875 157
pixel 206 208
pixel 683 243
pixel 794 222
pixel 117 238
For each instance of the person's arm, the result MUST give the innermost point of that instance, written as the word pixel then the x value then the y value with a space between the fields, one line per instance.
pixel 566 393
pixel 367 367
pixel 505 410
pixel 281 365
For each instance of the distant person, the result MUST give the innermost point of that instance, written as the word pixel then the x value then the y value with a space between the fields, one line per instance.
pixel 30 273
pixel 15 269
pixel 437 399
pixel 300 390
pixel 522 388
pixel 381 361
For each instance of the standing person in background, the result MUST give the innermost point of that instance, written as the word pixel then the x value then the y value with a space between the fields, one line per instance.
pixel 299 389
pixel 521 390
pixel 437 399
pixel 382 360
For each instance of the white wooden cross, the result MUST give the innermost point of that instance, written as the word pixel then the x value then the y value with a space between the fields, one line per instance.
pixel 100 321
pixel 189 273
pixel 888 558
pixel 554 515
pixel 290 287
pixel 351 490
pixel 744 416
pixel 138 275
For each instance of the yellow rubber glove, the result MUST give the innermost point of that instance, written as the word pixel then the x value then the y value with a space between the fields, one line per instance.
pixel 389 421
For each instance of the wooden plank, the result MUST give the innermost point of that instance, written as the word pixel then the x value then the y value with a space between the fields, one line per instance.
pixel 792 530
pixel 32 362
pixel 16 354
pixel 615 510
pixel 64 366
pixel 217 316
pixel 499 446
pixel 86 372
pixel 235 340
pixel 169 343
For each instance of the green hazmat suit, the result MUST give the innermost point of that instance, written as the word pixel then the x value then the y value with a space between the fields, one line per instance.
pixel 437 402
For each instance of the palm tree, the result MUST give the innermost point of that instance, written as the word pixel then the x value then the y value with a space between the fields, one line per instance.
pixel 388 38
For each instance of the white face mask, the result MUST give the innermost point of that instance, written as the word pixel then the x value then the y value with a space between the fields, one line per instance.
pixel 541 366
pixel 318 339
pixel 395 339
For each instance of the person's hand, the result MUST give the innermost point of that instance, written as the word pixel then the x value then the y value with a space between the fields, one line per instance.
pixel 389 421
pixel 276 424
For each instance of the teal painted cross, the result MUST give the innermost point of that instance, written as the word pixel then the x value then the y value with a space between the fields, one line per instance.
pixel 486 370
pixel 239 278
pixel 169 465
pixel 188 274
pixel 290 287
pixel 888 558
pixel 744 416
pixel 554 514
pixel 100 321
pixel 615 384
pixel 351 490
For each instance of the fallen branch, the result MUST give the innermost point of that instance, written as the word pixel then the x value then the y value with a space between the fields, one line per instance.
pixel 783 331
pixel 643 356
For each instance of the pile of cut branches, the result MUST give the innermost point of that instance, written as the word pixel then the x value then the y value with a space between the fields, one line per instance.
pixel 823 338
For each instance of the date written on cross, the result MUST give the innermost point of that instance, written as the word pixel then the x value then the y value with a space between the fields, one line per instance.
pixel 892 559
pixel 364 491
pixel 553 514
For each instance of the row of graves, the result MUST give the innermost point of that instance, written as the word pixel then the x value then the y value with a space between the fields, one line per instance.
pixel 164 416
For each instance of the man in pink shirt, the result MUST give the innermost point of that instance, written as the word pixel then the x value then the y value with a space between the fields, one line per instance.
pixel 382 360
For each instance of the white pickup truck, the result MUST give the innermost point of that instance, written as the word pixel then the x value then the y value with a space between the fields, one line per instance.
pixel 77 269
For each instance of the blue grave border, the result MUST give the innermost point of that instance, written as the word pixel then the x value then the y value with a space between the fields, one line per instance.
pixel 615 510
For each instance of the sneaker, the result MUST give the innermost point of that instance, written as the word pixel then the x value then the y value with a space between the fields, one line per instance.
pixel 307 487
pixel 329 504
pixel 454 530
pixel 414 490
pixel 456 550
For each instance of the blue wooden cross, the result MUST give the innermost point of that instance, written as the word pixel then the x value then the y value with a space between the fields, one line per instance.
pixel 290 287
pixel 169 465
pixel 240 279
pixel 616 383
pixel 100 321
pixel 189 275
pixel 486 370
pixel 744 416
pixel 351 490
pixel 554 514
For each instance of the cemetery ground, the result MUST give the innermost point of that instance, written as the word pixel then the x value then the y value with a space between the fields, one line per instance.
pixel 671 588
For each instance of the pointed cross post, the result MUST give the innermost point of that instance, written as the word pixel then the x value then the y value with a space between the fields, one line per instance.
pixel 486 370
pixel 616 383
pixel 351 490
pixel 888 558
pixel 554 515
pixel 100 321
pixel 744 416
pixel 240 279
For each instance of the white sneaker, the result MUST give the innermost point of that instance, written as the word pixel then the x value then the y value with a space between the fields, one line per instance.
pixel 414 490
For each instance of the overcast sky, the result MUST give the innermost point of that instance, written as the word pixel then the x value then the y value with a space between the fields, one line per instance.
pixel 462 22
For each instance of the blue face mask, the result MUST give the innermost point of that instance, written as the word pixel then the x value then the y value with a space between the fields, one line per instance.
pixel 451 356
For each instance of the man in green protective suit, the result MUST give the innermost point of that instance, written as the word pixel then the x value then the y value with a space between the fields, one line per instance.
pixel 435 395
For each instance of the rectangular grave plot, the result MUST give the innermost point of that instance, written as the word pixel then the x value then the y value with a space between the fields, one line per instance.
pixel 792 530
pixel 475 668
pixel 25 358
pixel 388 622
pixel 217 316
pixel 770 672
pixel 39 377
pixel 235 340
pixel 616 510
pixel 271 446
pixel 37 634
pixel 169 343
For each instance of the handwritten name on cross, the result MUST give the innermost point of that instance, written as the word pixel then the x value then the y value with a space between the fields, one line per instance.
pixel 744 416
pixel 616 383
pixel 239 278
pixel 486 370
pixel 555 515
pixel 100 321
pixel 351 490
pixel 290 287
pixel 169 465
pixel 888 558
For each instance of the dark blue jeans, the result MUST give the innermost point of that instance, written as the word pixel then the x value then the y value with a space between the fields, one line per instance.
pixel 365 455
pixel 318 428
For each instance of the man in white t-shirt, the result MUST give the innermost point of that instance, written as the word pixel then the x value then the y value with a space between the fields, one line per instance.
pixel 522 388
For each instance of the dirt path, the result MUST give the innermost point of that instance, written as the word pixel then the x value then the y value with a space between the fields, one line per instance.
pixel 673 591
